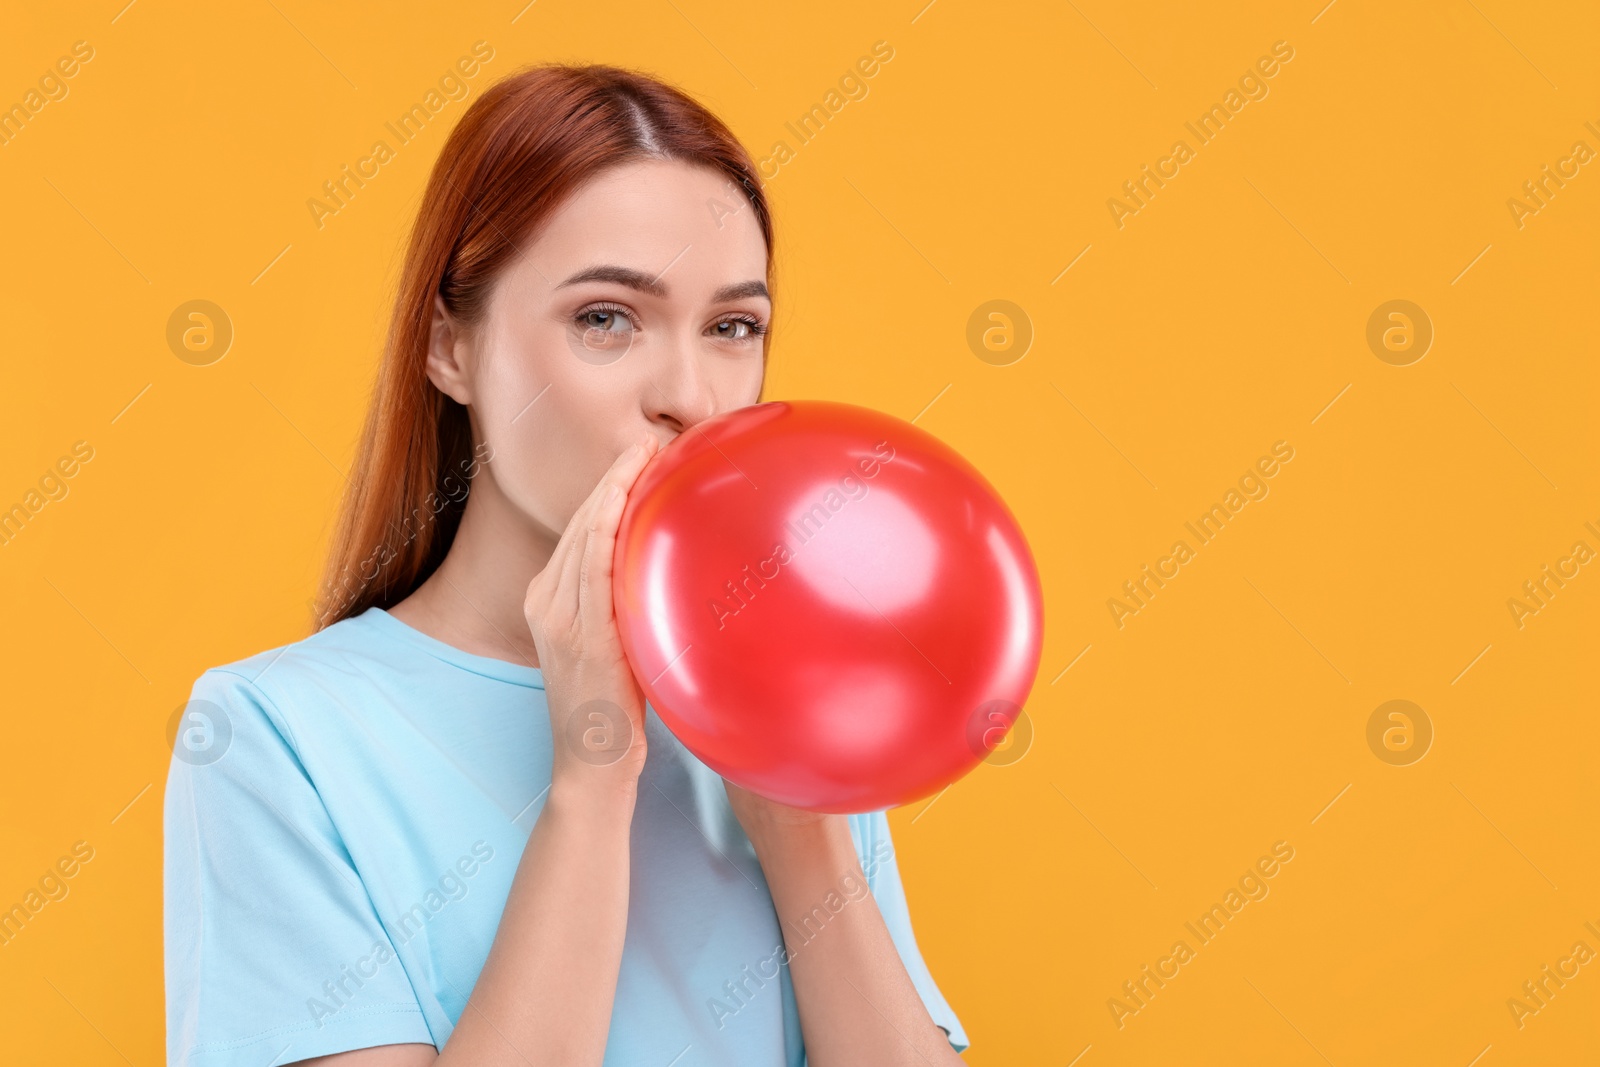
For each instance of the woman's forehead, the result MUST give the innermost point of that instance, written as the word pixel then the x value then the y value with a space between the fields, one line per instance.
pixel 685 224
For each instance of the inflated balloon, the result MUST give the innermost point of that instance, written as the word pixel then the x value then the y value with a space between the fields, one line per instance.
pixel 826 605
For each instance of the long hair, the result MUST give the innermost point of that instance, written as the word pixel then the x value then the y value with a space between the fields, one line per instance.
pixel 529 141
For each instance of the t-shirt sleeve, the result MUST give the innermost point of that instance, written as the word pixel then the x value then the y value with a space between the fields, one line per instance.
pixel 274 952
pixel 883 877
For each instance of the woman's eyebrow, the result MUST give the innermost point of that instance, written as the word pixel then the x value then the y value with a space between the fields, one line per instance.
pixel 740 290
pixel 638 279
pixel 633 279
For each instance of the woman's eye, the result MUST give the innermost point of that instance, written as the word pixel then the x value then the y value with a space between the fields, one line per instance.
pixel 605 319
pixel 738 329
pixel 602 333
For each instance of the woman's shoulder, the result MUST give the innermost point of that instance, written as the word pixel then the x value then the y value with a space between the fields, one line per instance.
pixel 270 682
pixel 350 639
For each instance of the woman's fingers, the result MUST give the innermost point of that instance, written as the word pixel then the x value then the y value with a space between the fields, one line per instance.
pixel 577 529
pixel 570 587
pixel 594 576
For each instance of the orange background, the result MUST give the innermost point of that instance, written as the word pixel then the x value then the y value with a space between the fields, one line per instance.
pixel 1230 312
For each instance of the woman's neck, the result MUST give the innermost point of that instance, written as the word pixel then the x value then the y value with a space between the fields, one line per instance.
pixel 474 599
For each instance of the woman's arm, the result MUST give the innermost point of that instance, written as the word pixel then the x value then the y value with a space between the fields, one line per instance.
pixel 857 1003
pixel 545 993
pixel 546 990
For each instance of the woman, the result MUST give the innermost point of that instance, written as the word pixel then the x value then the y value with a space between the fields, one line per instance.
pixel 398 841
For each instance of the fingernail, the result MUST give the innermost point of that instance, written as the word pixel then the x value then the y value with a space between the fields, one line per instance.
pixel 612 493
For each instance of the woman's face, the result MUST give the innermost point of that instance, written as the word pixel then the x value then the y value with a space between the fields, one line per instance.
pixel 639 307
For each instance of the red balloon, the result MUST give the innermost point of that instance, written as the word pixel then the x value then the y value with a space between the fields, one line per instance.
pixel 826 605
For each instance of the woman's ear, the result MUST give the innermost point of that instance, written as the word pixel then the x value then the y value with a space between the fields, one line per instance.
pixel 449 365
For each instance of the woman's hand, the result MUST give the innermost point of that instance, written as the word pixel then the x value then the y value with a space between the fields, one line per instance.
pixel 769 824
pixel 596 705
pixel 857 1001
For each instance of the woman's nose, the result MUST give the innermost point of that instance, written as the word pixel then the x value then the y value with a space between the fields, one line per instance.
pixel 679 396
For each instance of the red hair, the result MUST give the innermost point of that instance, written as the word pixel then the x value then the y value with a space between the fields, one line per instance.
pixel 528 142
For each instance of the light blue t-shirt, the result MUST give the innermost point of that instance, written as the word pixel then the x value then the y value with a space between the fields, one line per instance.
pixel 343 819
